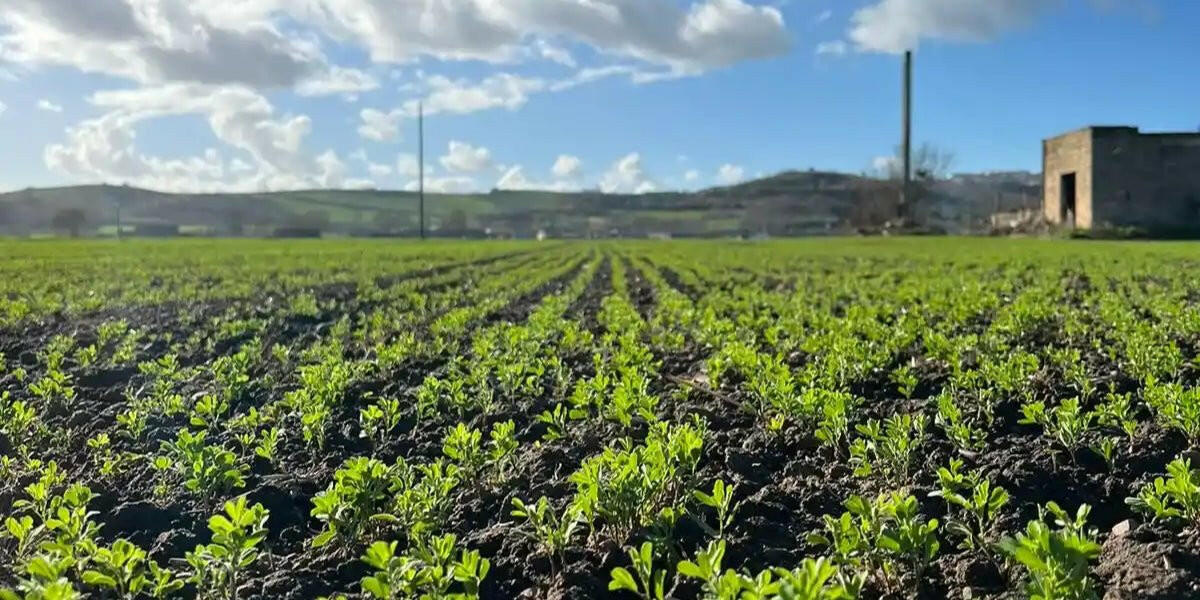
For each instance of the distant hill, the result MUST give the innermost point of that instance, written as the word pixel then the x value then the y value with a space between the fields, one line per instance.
pixel 788 203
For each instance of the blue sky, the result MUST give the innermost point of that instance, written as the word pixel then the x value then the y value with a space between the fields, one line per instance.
pixel 636 95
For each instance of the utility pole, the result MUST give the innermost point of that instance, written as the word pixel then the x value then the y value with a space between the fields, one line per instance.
pixel 421 163
pixel 117 203
pixel 906 192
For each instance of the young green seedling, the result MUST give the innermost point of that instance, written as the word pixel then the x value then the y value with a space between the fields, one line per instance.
pixel 720 500
pixel 217 568
pixel 649 582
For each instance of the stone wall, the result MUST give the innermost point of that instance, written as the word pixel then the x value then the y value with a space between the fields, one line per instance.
pixel 1068 153
pixel 1150 181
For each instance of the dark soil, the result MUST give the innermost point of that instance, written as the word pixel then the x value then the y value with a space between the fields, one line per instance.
pixel 785 482
pixel 587 306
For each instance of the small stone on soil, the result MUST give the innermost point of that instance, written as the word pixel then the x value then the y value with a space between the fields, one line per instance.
pixel 1123 528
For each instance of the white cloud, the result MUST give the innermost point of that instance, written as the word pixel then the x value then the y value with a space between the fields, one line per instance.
pixel 465 158
pixel 338 80
pixel 156 41
pixel 636 75
pixel 730 174
pixel 102 149
pixel 514 179
pixel 832 48
pixel 719 33
pixel 332 171
pixel 220 61
pixel 505 90
pixel 49 106
pixel 359 184
pixel 894 26
pixel 277 43
pixel 567 166
pixel 502 90
pixel 379 170
pixel 376 170
pixel 627 176
pixel 886 166
pixel 704 34
pixel 555 54
pixel 591 74
pixel 453 184
pixel 3 107
pixel 824 15
pixel 408 166
pixel 380 126
pixel 691 175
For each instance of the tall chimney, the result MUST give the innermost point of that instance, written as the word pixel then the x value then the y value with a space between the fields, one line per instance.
pixel 906 192
pixel 421 164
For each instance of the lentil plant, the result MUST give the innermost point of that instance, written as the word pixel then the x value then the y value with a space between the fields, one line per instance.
pixel 819 419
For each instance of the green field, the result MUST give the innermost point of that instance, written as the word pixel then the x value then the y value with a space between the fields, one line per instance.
pixel 812 419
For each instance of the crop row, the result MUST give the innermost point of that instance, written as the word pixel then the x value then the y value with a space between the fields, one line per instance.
pixel 855 419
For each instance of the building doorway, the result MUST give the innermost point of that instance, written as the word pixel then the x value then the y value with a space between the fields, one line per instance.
pixel 1066 203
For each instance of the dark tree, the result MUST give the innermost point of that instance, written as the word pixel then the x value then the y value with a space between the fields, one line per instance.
pixel 311 219
pixel 235 221
pixel 877 202
pixel 876 205
pixel 456 222
pixel 69 220
pixel 757 217
pixel 390 221
pixel 8 216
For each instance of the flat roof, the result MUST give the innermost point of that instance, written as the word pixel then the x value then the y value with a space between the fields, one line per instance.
pixel 1128 129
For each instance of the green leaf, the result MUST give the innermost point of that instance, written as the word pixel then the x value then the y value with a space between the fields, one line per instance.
pixel 323 538
pixel 817 539
pixel 659 584
pixel 647 553
pixel 1030 559
pixel 40 568
pixel 622 580
pixel 888 542
pixel 99 579
pixel 19 529
pixel 376 588
pixel 688 568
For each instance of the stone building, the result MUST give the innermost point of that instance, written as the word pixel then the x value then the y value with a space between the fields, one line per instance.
pixel 1119 176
